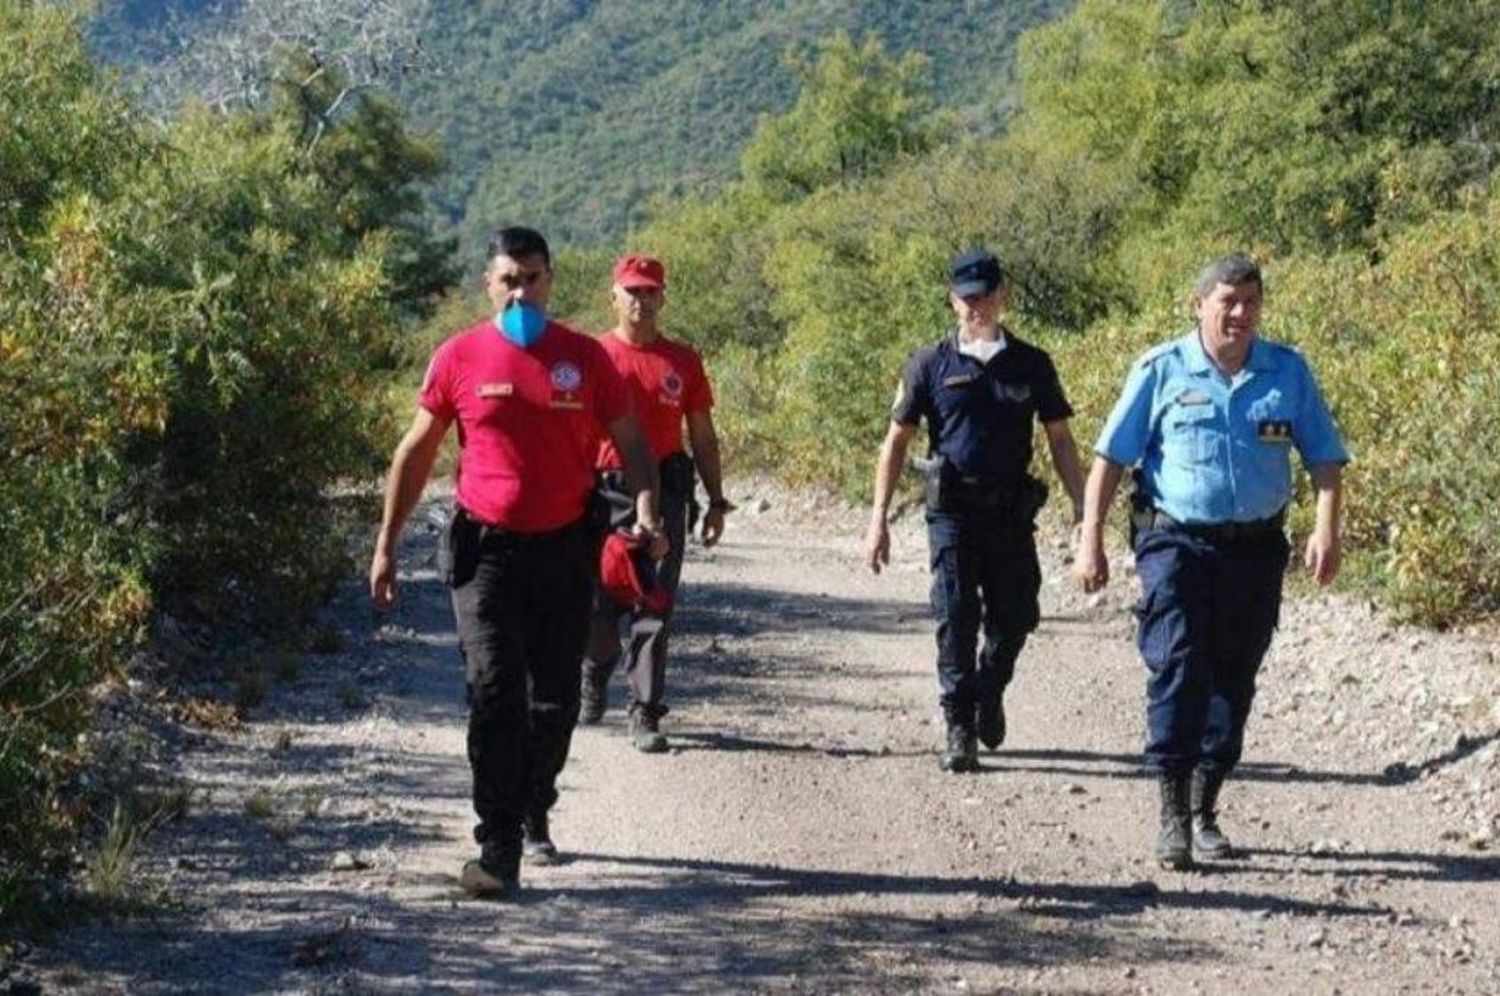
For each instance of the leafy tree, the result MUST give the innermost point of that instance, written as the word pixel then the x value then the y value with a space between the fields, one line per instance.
pixel 857 111
pixel 192 324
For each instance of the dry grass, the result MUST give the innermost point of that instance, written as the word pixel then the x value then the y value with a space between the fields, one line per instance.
pixel 260 805
pixel 111 868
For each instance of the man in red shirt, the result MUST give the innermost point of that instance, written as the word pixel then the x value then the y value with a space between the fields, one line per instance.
pixel 668 387
pixel 529 397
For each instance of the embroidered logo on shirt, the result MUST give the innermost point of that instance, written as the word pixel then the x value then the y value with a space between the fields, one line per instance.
pixel 566 376
pixel 1015 392
pixel 1274 430
pixel 495 390
pixel 672 384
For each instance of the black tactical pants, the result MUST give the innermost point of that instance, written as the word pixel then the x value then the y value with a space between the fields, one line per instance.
pixel 522 604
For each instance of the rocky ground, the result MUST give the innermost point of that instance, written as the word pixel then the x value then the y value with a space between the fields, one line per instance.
pixel 799 837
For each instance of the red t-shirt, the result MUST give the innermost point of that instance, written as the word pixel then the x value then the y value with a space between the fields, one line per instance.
pixel 528 421
pixel 666 382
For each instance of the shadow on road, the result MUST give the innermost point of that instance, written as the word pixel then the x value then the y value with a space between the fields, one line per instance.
pixel 1092 764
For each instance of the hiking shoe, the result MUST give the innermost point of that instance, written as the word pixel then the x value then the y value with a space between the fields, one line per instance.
pixel 1208 839
pixel 536 842
pixel 479 881
pixel 593 699
pixel 961 753
pixel 1173 848
pixel 991 723
pixel 645 733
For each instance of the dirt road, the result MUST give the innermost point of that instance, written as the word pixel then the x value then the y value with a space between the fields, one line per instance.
pixel 799 838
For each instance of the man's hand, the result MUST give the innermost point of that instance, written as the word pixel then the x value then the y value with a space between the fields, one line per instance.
pixel 713 522
pixel 1091 566
pixel 878 545
pixel 657 544
pixel 1322 556
pixel 383 580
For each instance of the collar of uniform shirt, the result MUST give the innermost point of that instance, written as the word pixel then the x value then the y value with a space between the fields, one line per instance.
pixel 982 350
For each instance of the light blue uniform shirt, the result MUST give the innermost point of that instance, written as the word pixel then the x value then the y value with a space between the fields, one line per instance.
pixel 1217 449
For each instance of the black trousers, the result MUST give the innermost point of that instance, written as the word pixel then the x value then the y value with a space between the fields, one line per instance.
pixel 522 617
pixel 984 573
pixel 645 652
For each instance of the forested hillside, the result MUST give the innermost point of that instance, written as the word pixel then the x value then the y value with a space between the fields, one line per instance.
pixel 573 114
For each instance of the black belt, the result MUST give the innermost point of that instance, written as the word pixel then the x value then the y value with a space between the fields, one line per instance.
pixel 1221 531
pixel 486 531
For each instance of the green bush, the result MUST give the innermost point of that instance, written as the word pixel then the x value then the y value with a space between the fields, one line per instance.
pixel 194 323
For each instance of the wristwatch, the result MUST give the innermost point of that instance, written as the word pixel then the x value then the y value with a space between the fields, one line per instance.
pixel 721 505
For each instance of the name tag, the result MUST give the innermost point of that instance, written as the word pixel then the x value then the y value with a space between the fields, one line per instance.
pixel 495 390
pixel 1274 430
pixel 1193 398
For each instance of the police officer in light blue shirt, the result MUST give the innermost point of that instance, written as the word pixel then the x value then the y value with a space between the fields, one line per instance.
pixel 1209 421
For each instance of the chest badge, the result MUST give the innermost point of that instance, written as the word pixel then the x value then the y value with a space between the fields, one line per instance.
pixel 566 379
pixel 671 384
pixel 1193 397
pixel 1015 392
pixel 1274 430
pixel 495 390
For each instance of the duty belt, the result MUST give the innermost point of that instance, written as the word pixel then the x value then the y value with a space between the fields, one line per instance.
pixel 1221 531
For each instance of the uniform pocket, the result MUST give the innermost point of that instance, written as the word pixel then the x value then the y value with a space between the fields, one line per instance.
pixel 1191 434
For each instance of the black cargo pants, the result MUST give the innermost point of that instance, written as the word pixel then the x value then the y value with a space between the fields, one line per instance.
pixel 521 601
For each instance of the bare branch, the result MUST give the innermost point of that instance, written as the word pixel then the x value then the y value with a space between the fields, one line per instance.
pixel 371 43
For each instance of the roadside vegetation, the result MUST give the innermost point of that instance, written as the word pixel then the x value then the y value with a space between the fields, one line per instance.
pixel 196 321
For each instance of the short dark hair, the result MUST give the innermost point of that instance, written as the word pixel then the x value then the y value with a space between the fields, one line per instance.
pixel 1235 269
pixel 516 241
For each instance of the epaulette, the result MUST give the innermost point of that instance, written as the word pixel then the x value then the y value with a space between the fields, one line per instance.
pixel 1155 353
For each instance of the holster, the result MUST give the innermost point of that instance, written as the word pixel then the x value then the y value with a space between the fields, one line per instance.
pixel 677 473
pixel 1142 512
pixel 945 489
pixel 458 549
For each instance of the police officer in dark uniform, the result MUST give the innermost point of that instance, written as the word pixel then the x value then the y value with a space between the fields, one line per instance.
pixel 1210 420
pixel 981 390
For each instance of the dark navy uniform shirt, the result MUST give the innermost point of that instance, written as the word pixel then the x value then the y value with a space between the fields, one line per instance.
pixel 1217 449
pixel 981 416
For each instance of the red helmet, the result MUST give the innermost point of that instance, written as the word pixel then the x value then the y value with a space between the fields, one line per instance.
pixel 628 574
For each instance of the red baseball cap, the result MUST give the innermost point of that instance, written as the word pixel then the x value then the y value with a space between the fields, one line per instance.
pixel 628 575
pixel 640 271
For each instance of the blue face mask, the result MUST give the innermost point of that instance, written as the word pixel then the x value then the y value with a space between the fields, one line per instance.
pixel 522 323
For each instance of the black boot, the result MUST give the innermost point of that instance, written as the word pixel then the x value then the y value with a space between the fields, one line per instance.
pixel 536 841
pixel 645 730
pixel 990 722
pixel 1207 837
pixel 593 695
pixel 1173 847
pixel 962 753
